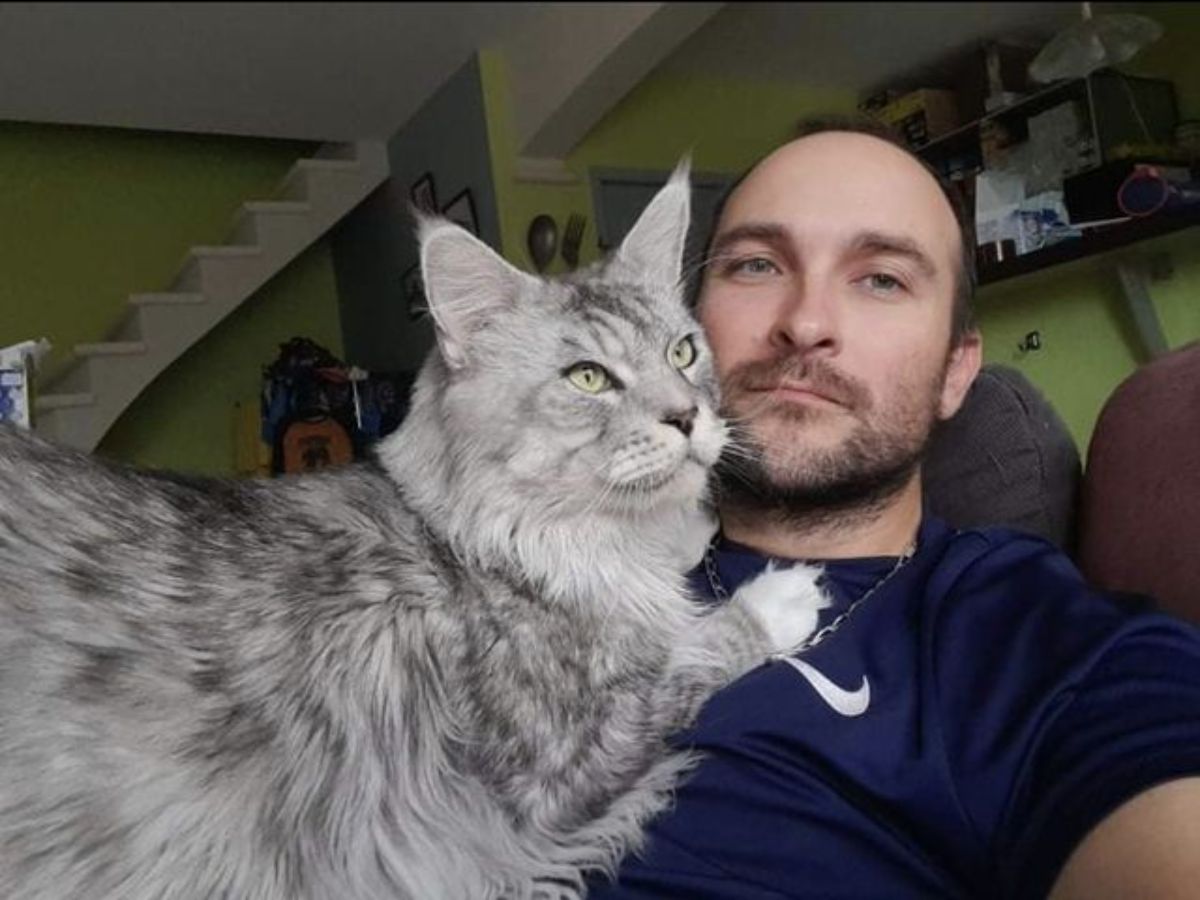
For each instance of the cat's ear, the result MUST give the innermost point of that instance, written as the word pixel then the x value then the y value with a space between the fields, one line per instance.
pixel 653 249
pixel 466 284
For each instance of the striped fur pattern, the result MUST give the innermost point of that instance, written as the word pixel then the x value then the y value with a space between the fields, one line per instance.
pixel 448 672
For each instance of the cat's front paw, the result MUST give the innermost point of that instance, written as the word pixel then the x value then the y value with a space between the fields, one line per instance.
pixel 786 602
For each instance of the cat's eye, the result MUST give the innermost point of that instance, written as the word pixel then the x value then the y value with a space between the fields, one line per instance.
pixel 589 377
pixel 683 352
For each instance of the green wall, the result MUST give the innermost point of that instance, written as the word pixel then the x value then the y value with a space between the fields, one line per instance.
pixel 91 215
pixel 1088 341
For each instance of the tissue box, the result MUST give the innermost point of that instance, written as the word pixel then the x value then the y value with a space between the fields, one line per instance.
pixel 16 374
pixel 14 397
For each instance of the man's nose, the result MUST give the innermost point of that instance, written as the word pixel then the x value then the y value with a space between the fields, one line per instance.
pixel 807 320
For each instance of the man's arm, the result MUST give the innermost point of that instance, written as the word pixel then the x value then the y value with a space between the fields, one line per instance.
pixel 1148 848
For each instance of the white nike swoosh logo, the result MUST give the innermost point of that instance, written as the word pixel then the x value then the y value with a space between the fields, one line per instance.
pixel 841 701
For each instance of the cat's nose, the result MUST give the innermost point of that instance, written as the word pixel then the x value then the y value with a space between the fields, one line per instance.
pixel 682 419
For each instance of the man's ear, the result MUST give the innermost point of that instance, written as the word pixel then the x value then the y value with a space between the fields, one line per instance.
pixel 961 369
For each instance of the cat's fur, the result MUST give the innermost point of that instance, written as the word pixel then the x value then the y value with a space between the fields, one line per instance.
pixel 445 674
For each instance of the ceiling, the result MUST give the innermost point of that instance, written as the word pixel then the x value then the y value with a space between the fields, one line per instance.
pixel 859 46
pixel 341 71
pixel 317 71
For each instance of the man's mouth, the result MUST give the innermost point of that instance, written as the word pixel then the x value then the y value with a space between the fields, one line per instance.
pixel 799 385
pixel 800 392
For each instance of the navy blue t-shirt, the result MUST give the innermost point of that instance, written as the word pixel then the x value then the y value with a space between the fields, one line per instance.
pixel 1009 708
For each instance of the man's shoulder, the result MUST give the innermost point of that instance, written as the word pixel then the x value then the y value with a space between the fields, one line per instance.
pixel 1002 585
pixel 1002 557
pixel 1001 607
pixel 990 537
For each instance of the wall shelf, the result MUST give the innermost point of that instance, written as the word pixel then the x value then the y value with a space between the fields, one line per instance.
pixel 1093 242
pixel 1107 102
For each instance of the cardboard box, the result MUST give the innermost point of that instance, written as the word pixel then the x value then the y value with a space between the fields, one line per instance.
pixel 921 116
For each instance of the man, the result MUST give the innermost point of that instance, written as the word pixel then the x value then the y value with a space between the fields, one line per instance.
pixel 971 720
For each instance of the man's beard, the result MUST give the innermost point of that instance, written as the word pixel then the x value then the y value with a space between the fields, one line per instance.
pixel 816 484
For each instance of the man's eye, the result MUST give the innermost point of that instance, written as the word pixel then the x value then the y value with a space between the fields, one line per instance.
pixel 883 283
pixel 753 265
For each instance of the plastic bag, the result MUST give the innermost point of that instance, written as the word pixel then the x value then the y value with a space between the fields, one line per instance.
pixel 1092 44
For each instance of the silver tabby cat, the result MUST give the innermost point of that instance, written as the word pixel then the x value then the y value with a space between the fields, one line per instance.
pixel 446 673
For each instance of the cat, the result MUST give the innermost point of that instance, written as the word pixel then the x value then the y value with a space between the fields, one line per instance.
pixel 445 672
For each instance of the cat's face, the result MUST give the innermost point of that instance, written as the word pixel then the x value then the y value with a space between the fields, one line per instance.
pixel 597 392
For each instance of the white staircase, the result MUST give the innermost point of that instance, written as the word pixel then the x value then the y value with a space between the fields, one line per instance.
pixel 105 378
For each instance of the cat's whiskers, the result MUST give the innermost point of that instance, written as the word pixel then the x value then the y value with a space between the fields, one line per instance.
pixel 738 451
pixel 600 500
pixel 693 266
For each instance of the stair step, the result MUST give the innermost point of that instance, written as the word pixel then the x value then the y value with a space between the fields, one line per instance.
pixel 295 185
pixel 271 224
pixel 295 207
pixel 48 402
pixel 226 250
pixel 110 348
pixel 157 326
pixel 167 298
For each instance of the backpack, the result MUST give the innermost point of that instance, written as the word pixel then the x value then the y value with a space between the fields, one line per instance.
pixel 307 414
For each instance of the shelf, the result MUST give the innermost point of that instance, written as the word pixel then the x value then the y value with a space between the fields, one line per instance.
pixel 1094 241
pixel 1027 106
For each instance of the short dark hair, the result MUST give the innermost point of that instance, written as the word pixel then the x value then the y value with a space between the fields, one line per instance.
pixel 965 278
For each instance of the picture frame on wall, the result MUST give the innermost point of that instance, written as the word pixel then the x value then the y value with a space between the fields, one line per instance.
pixel 461 211
pixel 414 293
pixel 423 195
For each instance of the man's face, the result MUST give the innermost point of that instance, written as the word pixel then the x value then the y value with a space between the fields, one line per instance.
pixel 827 302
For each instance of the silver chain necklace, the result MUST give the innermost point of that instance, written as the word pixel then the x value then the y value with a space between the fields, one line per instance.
pixel 722 595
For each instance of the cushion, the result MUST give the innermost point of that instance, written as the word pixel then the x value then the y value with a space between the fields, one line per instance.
pixel 1006 458
pixel 1140 513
